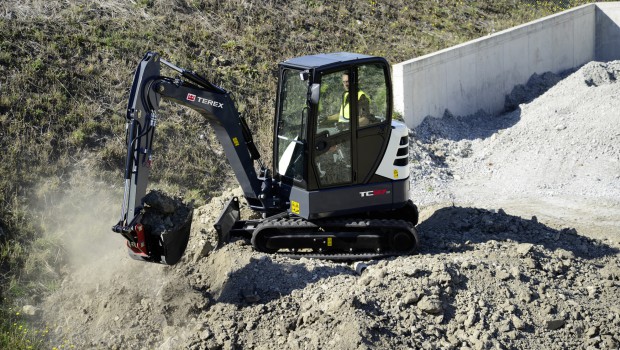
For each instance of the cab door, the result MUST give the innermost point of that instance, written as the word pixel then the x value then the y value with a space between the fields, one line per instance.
pixel 332 156
pixel 374 117
pixel 352 126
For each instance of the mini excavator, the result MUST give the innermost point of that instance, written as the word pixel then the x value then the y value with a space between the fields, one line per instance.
pixel 338 188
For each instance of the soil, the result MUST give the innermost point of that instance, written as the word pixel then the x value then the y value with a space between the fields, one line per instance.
pixel 520 241
pixel 167 220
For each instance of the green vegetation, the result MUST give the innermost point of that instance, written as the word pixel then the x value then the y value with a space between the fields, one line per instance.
pixel 65 70
pixel 17 334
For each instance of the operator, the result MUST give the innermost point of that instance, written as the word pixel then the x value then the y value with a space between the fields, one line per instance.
pixel 363 105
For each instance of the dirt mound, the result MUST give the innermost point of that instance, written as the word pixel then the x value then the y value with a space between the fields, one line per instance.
pixel 482 279
pixel 543 272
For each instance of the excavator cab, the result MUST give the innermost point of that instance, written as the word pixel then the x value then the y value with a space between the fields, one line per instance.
pixel 332 130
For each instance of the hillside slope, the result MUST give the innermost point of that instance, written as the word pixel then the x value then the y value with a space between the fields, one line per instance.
pixel 66 66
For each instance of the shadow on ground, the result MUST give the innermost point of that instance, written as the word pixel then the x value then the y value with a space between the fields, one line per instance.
pixel 263 280
pixel 455 229
pixel 482 125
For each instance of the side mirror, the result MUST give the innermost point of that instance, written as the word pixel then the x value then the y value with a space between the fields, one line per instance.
pixel 315 91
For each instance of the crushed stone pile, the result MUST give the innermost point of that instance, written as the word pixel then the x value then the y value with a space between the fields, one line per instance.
pixel 561 149
pixel 484 278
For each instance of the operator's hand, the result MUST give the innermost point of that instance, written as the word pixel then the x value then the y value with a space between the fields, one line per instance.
pixel 324 122
pixel 363 121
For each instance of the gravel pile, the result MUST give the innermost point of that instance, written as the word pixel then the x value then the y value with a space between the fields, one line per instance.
pixel 519 276
pixel 559 151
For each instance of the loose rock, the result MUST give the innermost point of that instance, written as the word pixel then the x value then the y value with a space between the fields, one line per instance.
pixel 430 305
pixel 555 324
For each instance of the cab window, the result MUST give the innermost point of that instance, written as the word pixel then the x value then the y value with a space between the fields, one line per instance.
pixel 372 84
pixel 292 125
pixel 332 139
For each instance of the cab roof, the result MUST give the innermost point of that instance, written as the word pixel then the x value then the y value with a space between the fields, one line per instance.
pixel 324 59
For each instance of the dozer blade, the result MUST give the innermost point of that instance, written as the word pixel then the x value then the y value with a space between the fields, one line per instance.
pixel 227 220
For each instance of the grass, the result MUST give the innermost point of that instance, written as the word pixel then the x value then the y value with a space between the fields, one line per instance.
pixel 17 333
pixel 65 70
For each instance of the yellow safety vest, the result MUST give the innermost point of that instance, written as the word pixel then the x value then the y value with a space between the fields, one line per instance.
pixel 344 107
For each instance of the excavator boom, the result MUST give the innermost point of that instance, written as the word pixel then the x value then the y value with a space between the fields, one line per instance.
pixel 216 106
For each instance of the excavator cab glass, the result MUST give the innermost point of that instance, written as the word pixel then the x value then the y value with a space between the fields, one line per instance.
pixel 333 120
pixel 291 126
pixel 332 136
pixel 352 125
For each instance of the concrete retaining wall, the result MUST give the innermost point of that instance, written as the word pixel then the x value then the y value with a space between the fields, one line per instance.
pixel 607 24
pixel 480 73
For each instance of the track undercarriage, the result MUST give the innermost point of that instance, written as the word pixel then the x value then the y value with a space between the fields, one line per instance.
pixel 348 238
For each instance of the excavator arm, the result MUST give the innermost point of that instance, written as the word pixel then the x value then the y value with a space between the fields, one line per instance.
pixel 217 107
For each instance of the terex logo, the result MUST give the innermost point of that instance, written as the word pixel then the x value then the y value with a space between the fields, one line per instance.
pixel 204 101
pixel 374 193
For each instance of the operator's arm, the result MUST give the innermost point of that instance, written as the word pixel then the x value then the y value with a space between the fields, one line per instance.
pixel 333 118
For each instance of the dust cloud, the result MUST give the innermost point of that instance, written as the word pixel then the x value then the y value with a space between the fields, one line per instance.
pixel 80 222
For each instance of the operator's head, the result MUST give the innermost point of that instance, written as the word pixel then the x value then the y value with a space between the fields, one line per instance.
pixel 345 81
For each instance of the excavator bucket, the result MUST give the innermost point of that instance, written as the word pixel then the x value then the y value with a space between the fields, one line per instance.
pixel 160 232
pixel 160 245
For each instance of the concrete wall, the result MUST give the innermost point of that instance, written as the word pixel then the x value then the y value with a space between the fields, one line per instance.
pixel 480 73
pixel 607 24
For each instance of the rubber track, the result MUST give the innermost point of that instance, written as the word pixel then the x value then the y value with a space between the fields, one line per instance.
pixel 291 225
